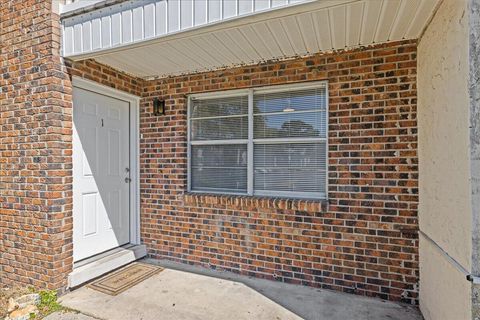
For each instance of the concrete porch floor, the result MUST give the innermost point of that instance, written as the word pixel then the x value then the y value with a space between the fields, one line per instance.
pixel 185 292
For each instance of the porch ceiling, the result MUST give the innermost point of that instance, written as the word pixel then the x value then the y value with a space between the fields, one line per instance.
pixel 292 30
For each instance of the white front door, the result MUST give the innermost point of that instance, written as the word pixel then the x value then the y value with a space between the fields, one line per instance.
pixel 101 165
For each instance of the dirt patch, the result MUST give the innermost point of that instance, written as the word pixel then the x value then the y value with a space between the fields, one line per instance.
pixel 7 293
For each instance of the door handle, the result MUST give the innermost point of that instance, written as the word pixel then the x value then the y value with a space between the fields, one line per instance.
pixel 128 180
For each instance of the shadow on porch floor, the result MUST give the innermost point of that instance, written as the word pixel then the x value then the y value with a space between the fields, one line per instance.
pixel 185 292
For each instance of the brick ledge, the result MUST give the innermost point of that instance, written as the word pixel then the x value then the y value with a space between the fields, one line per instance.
pixel 247 202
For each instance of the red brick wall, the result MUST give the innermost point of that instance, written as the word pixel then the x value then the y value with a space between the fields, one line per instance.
pixel 35 143
pixel 105 75
pixel 35 147
pixel 363 241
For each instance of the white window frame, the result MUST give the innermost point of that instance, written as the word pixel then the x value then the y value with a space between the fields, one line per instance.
pixel 250 141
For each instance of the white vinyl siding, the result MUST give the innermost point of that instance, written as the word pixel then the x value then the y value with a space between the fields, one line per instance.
pixel 268 141
pixel 149 19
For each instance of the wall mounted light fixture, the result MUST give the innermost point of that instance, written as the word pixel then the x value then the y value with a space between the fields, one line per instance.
pixel 158 107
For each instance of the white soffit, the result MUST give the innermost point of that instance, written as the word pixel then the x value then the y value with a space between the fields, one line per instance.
pixel 185 46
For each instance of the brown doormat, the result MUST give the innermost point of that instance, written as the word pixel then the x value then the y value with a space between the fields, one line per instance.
pixel 125 278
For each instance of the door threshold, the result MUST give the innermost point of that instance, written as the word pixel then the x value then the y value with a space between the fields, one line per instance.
pixel 94 267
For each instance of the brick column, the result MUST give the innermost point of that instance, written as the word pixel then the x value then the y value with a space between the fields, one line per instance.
pixel 35 148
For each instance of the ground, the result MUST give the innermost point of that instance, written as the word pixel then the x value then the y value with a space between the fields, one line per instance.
pixel 26 297
pixel 7 293
pixel 183 292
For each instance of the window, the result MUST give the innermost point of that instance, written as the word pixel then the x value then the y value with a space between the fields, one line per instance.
pixel 267 142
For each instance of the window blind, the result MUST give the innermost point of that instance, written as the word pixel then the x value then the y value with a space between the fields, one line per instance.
pixel 216 166
pixel 220 119
pixel 290 114
pixel 219 167
pixel 290 167
pixel 287 141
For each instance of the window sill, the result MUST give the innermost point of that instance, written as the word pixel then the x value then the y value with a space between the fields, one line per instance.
pixel 253 202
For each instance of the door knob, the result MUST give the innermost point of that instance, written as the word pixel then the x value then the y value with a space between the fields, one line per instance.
pixel 127 169
pixel 128 180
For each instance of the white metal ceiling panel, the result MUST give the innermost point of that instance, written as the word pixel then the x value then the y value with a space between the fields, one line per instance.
pixel 281 37
pixel 263 32
pixel 354 23
pixel 305 22
pixel 321 21
pixel 246 50
pixel 387 18
pixel 155 18
pixel 371 16
pixel 201 35
pixel 290 25
pixel 423 13
pixel 337 24
pixel 405 15
pixel 186 49
pixel 252 33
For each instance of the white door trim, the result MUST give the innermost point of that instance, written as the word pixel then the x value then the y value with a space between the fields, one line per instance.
pixel 134 101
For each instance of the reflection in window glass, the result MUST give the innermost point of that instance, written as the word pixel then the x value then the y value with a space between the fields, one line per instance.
pixel 220 128
pixel 219 107
pixel 301 100
pixel 290 125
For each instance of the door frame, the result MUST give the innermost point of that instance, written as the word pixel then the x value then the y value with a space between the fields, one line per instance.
pixel 134 134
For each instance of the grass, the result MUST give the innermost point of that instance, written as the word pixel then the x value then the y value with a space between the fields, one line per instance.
pixel 48 304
